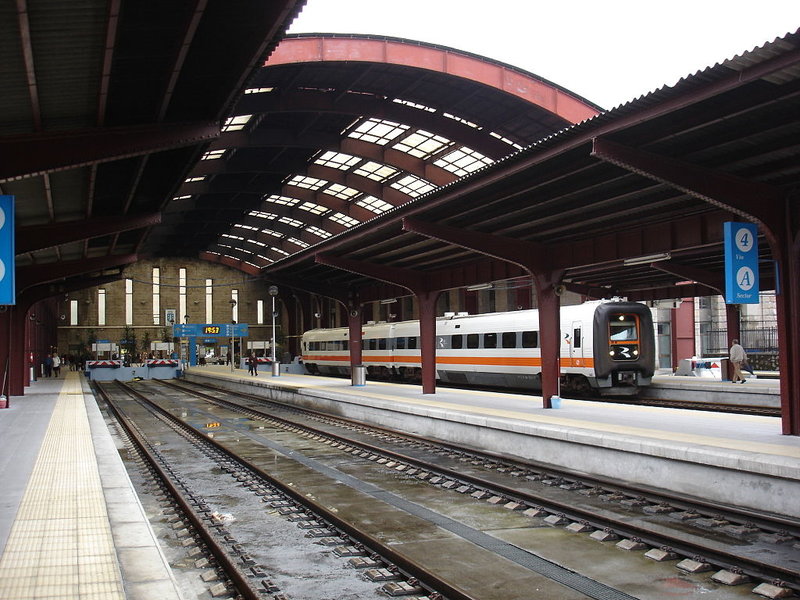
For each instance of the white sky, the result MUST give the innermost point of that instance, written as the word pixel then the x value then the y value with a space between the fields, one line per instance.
pixel 608 52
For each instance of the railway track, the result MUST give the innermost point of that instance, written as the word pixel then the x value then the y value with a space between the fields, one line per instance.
pixel 696 537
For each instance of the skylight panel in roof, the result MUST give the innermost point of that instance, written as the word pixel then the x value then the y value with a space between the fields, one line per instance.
pixel 313 208
pixel 309 183
pixel 505 139
pixel 377 131
pixel 343 219
pixel 282 200
pixel 337 160
pixel 412 185
pixel 262 215
pixel 194 179
pixel 374 204
pixel 184 197
pixel 341 191
pixel 261 90
pixel 213 154
pixel 300 243
pixel 236 123
pixel 462 120
pixel 266 258
pixel 279 251
pixel 273 233
pixel 318 232
pixel 375 171
pixel 247 262
pixel 290 221
pixel 232 237
pixel 463 161
pixel 414 105
pixel 250 227
pixel 258 243
pixel 422 144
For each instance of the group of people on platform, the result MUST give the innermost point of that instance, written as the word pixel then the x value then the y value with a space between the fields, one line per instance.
pixel 53 363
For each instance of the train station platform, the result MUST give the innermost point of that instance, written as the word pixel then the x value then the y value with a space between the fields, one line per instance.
pixel 735 459
pixel 71 524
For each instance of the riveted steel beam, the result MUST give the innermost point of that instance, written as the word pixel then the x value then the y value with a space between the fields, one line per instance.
pixel 29 155
pixel 37 237
pixel 29 276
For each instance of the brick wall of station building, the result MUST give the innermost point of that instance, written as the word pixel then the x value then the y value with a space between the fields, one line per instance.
pixel 224 279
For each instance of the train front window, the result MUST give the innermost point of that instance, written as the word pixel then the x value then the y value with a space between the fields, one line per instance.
pixel 623 328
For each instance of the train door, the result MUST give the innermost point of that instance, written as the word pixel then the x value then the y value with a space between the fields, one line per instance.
pixel 577 340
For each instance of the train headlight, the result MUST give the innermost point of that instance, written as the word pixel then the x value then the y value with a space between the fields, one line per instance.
pixel 611 353
pixel 636 353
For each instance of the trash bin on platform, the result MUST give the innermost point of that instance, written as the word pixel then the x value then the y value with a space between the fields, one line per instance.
pixel 359 375
pixel 276 369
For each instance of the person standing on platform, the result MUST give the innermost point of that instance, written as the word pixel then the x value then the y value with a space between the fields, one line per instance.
pixel 56 364
pixel 252 362
pixel 737 356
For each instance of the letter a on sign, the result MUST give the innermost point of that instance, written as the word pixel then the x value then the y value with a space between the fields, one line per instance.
pixel 741 263
pixel 7 265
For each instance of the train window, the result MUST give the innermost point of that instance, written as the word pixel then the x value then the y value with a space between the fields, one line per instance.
pixel 456 342
pixel 576 338
pixel 490 340
pixel 473 340
pixel 530 339
pixel 509 339
pixel 345 345
pixel 400 343
pixel 371 344
pixel 622 328
pixel 412 343
pixel 382 344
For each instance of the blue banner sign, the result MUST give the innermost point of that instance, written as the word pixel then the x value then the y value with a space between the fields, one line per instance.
pixel 210 330
pixel 741 263
pixel 8 291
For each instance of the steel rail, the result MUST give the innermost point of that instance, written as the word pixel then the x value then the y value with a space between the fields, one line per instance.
pixel 239 579
pixel 757 569
pixel 408 566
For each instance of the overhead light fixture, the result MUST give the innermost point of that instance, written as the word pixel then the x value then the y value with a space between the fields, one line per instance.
pixel 480 286
pixel 648 258
pixel 389 301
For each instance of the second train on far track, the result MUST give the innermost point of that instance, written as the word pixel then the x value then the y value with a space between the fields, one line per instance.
pixel 607 347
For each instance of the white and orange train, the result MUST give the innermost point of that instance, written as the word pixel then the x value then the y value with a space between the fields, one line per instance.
pixel 606 346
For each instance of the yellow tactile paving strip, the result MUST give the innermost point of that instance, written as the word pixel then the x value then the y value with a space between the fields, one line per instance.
pixel 60 546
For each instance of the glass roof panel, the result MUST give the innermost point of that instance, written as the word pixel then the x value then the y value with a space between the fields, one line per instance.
pixel 337 160
pixel 318 232
pixel 262 215
pixel 412 185
pixel 378 131
pixel 422 144
pixel 414 105
pixel 282 200
pixel 375 171
pixel 343 219
pixel 213 154
pixel 313 208
pixel 374 204
pixel 309 183
pixel 341 191
pixel 236 123
pixel 290 221
pixel 462 161
pixel 300 243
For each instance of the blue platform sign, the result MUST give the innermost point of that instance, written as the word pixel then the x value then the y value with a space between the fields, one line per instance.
pixel 210 329
pixel 8 292
pixel 741 263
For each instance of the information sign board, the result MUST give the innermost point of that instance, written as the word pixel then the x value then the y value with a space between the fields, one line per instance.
pixel 7 253
pixel 210 330
pixel 741 263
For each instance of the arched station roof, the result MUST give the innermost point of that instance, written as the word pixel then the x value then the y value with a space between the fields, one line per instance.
pixel 335 130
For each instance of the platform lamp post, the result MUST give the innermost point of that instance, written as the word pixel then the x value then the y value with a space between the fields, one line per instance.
pixel 276 367
pixel 231 348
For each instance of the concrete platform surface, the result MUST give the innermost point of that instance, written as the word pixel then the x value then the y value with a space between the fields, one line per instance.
pixel 71 525
pixel 739 460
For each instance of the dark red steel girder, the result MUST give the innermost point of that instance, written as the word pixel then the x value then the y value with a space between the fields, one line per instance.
pixel 37 237
pixel 33 154
pixel 441 60
pixel 32 275
pixel 239 265
pixel 423 288
pixel 749 199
